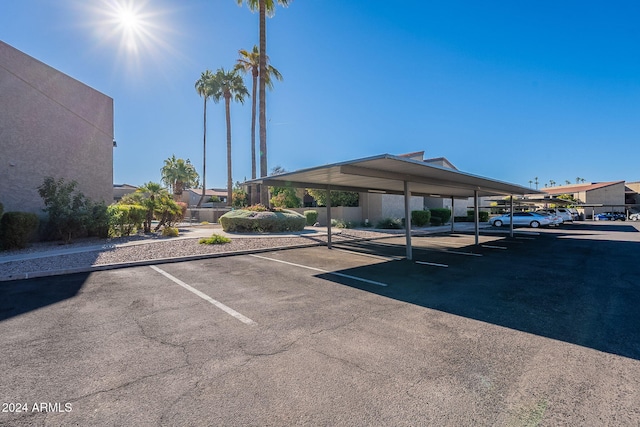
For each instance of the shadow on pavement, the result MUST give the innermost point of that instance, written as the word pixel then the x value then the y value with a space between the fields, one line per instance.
pixel 22 296
pixel 583 292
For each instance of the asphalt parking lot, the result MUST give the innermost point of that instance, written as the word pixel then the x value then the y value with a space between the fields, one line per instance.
pixel 540 329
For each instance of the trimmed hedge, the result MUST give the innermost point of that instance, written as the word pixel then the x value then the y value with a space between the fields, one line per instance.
pixel 245 221
pixel 482 216
pixel 16 228
pixel 125 219
pixel 443 215
pixel 420 218
pixel 311 216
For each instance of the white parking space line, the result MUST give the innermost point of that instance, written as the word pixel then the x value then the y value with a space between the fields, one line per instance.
pixel 493 247
pixel 335 273
pixel 525 238
pixel 380 257
pixel 433 264
pixel 205 297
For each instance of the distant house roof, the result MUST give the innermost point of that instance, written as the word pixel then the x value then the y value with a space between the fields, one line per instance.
pixel 125 186
pixel 576 188
pixel 220 192
pixel 441 161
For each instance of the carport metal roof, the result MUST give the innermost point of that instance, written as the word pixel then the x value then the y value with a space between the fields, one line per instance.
pixel 391 174
pixel 387 173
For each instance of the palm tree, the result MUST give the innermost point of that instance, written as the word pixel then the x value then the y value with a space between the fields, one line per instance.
pixel 264 7
pixel 179 175
pixel 204 89
pixel 227 85
pixel 250 62
pixel 150 192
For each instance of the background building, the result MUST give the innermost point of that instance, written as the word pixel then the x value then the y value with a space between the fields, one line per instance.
pixel 51 125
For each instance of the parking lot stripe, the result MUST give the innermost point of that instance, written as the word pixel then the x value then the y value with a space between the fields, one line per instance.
pixel 354 252
pixel 493 247
pixel 335 273
pixel 205 297
pixel 434 264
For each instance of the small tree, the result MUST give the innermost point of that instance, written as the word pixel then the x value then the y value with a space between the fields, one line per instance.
pixel 239 196
pixel 70 213
pixel 338 198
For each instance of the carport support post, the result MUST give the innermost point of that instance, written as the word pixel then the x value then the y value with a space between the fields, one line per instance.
pixel 328 217
pixel 476 216
pixel 511 216
pixel 452 213
pixel 407 219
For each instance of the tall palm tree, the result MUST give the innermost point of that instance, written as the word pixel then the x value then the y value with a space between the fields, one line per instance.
pixel 179 175
pixel 227 85
pixel 204 89
pixel 264 7
pixel 250 62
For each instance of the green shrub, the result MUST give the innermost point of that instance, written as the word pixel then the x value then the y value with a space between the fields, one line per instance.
pixel 170 232
pixel 435 221
pixel 482 216
pixel 247 221
pixel 98 221
pixel 341 223
pixel 443 213
pixel 215 239
pixel 420 218
pixel 125 219
pixel 311 216
pixel 16 228
pixel 390 224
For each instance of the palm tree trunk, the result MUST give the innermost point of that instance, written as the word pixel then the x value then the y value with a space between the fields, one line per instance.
pixel 227 102
pixel 264 190
pixel 254 196
pixel 204 155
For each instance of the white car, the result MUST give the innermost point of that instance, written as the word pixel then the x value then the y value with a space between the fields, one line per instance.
pixel 527 219
pixel 563 213
pixel 634 217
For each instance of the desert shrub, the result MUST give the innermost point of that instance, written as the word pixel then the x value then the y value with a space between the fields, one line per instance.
pixel 257 208
pixel 390 223
pixel 70 213
pixel 443 214
pixel 341 223
pixel 482 216
pixel 420 218
pixel 247 221
pixel 125 219
pixel 16 228
pixel 170 232
pixel 311 216
pixel 338 198
pixel 215 239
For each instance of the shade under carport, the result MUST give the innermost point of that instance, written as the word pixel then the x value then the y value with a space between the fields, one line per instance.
pixel 391 174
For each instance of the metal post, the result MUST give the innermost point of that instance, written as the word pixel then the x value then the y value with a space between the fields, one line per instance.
pixel 407 219
pixel 511 216
pixel 328 217
pixel 476 216
pixel 452 213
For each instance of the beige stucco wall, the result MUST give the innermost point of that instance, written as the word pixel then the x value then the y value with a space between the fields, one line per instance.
pixel 611 197
pixel 51 125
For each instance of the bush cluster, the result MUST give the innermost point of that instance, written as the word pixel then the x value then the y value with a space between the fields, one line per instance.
pixel 249 221
pixel 440 216
pixel 341 223
pixel 482 216
pixel 390 224
pixel 420 218
pixel 311 216
pixel 125 219
pixel 170 232
pixel 215 239
pixel 16 228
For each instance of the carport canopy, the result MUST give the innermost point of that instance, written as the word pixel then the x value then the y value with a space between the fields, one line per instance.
pixel 389 174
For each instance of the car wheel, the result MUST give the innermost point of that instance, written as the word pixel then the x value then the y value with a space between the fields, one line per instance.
pixel 497 223
pixel 534 224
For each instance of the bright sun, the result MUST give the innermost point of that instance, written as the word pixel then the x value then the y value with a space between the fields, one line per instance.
pixel 128 19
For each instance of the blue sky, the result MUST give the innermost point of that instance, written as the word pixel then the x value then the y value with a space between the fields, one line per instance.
pixel 510 90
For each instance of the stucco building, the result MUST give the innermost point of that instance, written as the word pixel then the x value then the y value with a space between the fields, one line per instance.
pixel 51 125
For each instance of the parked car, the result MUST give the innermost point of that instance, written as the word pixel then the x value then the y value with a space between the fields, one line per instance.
pixel 634 217
pixel 527 219
pixel 564 213
pixel 610 216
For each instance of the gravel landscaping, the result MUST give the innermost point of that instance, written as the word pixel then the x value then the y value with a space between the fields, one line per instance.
pixel 52 257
